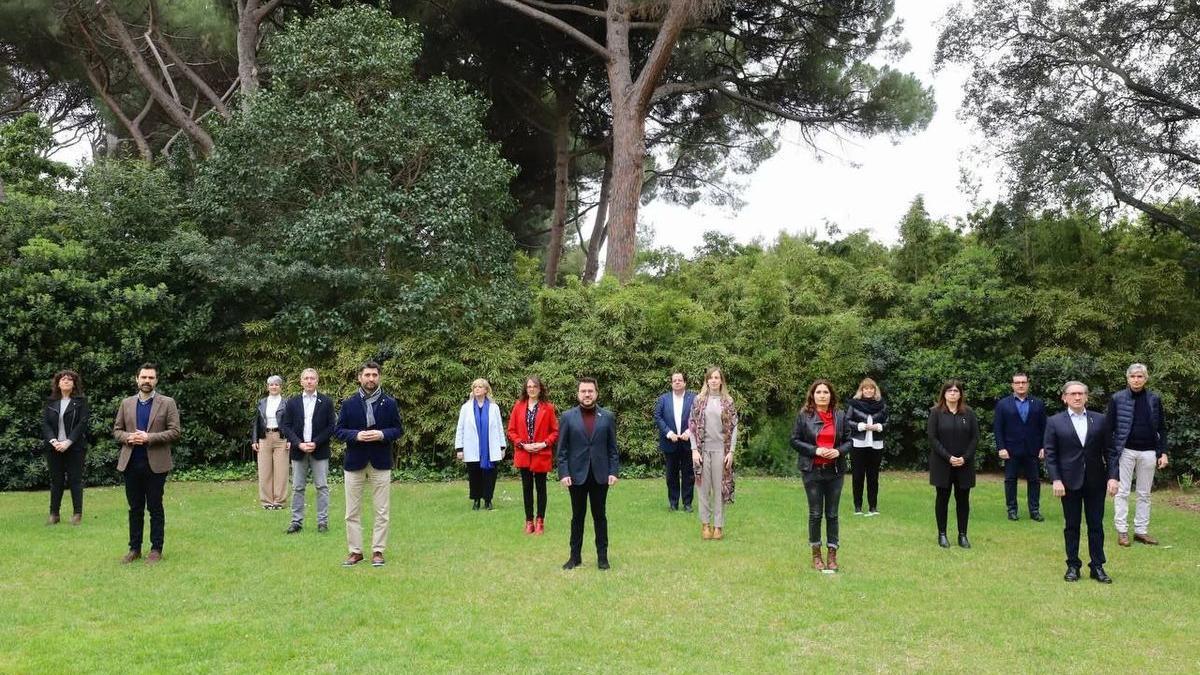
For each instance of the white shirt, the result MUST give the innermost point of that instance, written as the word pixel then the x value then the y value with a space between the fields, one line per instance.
pixel 1081 425
pixel 272 408
pixel 62 411
pixel 678 402
pixel 310 405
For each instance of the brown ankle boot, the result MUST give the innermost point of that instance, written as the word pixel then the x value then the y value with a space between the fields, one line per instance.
pixel 705 532
pixel 718 533
pixel 832 564
pixel 818 563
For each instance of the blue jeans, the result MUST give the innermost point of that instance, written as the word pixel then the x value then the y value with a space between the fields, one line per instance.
pixel 823 485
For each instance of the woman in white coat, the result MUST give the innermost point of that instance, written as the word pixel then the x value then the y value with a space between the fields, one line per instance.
pixel 480 442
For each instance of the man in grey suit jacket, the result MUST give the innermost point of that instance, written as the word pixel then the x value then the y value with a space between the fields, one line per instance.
pixel 146 426
pixel 587 466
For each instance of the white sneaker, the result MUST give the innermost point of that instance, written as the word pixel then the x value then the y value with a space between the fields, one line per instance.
pixel 858 513
pixel 872 513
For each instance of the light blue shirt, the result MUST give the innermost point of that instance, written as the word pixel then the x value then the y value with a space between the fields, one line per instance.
pixel 1081 425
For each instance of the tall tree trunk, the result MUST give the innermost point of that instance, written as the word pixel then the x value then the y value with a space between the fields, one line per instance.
pixel 251 14
pixel 599 233
pixel 562 175
pixel 628 165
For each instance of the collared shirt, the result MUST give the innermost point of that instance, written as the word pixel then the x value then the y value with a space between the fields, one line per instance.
pixel 1023 409
pixel 678 402
pixel 272 409
pixel 310 406
pixel 1080 421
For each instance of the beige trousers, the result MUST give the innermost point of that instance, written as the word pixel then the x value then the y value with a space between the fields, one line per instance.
pixel 381 491
pixel 712 507
pixel 273 465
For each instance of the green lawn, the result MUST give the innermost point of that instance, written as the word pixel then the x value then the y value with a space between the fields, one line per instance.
pixel 467 591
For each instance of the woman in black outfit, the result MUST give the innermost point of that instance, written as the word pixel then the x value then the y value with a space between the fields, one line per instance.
pixel 866 412
pixel 953 435
pixel 64 430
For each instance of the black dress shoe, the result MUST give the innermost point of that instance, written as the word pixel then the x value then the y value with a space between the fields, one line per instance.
pixel 942 540
pixel 1012 515
pixel 1100 575
pixel 602 563
pixel 488 505
pixel 1037 516
pixel 1072 574
pixel 572 563
pixel 475 505
pixel 687 508
pixel 674 507
pixel 963 541
pixel 294 528
pixel 322 528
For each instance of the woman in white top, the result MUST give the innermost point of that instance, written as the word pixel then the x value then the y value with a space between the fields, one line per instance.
pixel 866 412
pixel 479 441
pixel 64 430
pixel 713 424
pixel 271 447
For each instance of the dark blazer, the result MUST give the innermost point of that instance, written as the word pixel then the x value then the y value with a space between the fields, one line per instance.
pixel 323 424
pixel 352 418
pixel 75 421
pixel 804 439
pixel 260 419
pixel 578 453
pixel 1095 461
pixel 664 418
pixel 952 435
pixel 854 416
pixel 163 430
pixel 1021 439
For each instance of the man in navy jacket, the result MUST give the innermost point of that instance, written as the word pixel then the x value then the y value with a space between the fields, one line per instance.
pixel 1083 465
pixel 1019 424
pixel 587 466
pixel 308 423
pixel 671 413
pixel 369 423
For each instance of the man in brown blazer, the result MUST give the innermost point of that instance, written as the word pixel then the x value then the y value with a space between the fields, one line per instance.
pixel 146 425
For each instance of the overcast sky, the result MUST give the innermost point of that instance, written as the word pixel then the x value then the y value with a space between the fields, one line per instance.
pixel 867 184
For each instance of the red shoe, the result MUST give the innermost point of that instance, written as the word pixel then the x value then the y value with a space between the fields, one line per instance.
pixel 529 527
pixel 539 526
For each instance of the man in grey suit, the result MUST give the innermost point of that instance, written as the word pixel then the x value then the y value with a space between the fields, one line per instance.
pixel 587 466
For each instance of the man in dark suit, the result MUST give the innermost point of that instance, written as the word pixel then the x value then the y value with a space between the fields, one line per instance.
pixel 1080 459
pixel 587 466
pixel 671 413
pixel 368 423
pixel 308 423
pixel 1019 424
pixel 146 426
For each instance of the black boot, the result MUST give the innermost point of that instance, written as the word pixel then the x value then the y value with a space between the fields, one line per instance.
pixel 1010 497
pixel 942 540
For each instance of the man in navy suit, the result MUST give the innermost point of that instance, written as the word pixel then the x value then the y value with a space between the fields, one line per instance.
pixel 369 423
pixel 1083 465
pixel 308 423
pixel 671 413
pixel 587 466
pixel 1019 424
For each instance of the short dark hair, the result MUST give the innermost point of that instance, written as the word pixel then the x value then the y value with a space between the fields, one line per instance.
pixel 149 366
pixel 56 393
pixel 587 380
pixel 679 372
pixel 369 365
pixel 1020 374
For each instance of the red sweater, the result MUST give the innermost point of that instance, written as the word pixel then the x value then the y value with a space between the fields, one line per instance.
pixel 826 438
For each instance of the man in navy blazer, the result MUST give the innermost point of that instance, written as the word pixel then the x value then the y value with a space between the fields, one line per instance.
pixel 1019 424
pixel 671 413
pixel 369 423
pixel 308 423
pixel 587 466
pixel 1083 465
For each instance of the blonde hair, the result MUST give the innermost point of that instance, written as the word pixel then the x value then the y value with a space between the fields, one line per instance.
pixel 484 382
pixel 868 382
pixel 724 391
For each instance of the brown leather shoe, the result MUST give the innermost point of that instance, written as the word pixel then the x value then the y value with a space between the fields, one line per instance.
pixel 352 560
pixel 818 561
pixel 1123 539
pixel 377 559
pixel 53 520
pixel 705 532
pixel 76 518
pixel 832 565
pixel 718 533
pixel 130 557
pixel 1145 539
pixel 154 557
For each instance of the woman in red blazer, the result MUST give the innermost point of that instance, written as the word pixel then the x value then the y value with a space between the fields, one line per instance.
pixel 533 430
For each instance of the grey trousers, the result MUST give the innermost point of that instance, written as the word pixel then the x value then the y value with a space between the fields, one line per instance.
pixel 1137 466
pixel 320 474
pixel 708 490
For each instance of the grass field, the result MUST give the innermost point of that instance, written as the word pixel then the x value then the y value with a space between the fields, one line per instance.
pixel 467 591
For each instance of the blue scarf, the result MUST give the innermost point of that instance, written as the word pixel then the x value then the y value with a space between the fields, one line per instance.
pixel 482 417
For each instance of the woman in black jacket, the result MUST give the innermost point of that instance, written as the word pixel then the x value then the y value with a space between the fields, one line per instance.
pixel 953 436
pixel 64 430
pixel 866 413
pixel 821 438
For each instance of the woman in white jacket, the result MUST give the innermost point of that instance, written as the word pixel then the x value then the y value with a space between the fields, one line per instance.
pixel 480 442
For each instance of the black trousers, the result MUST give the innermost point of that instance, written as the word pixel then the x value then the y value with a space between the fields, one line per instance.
pixel 962 506
pixel 482 482
pixel 681 479
pixel 823 486
pixel 865 468
pixel 66 469
pixel 597 495
pixel 144 492
pixel 528 480
pixel 1028 468
pixel 1084 503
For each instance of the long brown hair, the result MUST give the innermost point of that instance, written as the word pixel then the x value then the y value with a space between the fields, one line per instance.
pixel 810 404
pixel 56 393
pixel 543 393
pixel 962 396
pixel 724 391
